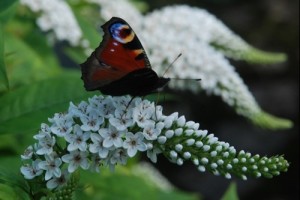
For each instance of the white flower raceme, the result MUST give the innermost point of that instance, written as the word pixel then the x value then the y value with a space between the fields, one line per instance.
pixel 179 140
pixel 204 41
pixel 57 16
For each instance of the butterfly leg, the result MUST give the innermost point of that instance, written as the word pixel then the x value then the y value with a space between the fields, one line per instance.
pixel 127 106
pixel 130 102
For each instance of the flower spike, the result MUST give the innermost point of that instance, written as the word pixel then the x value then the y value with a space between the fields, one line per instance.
pixel 113 143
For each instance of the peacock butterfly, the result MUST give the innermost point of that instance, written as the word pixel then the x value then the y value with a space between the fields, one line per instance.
pixel 119 65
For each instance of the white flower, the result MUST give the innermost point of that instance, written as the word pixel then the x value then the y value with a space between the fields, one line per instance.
pixel 134 143
pixel 92 121
pixel 146 105
pixel 95 102
pixel 150 132
pixel 31 171
pixel 122 102
pixel 112 137
pixel 152 154
pixel 142 114
pixel 158 113
pixel 40 135
pixel 45 145
pixel 122 119
pixel 45 128
pixel 75 159
pixel 97 146
pixel 27 153
pixel 51 165
pixel 78 139
pixel 62 124
pixel 80 110
pixel 119 156
pixel 96 163
pixel 169 120
pixel 58 181
pixel 106 107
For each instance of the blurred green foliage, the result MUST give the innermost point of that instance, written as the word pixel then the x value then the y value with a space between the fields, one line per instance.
pixel 231 193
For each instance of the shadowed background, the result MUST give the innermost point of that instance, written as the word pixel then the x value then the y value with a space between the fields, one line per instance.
pixel 271 25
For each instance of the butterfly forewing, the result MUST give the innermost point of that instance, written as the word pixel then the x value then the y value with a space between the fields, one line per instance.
pixel 118 54
pixel 121 47
pixel 120 65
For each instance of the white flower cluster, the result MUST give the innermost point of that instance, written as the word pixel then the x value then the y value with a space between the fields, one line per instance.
pixel 199 60
pixel 96 133
pixel 194 24
pixel 56 15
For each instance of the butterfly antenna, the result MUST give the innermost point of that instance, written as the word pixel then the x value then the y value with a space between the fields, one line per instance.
pixel 183 79
pixel 170 65
pixel 187 79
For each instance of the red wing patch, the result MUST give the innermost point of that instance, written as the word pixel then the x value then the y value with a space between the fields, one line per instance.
pixel 120 58
pixel 118 54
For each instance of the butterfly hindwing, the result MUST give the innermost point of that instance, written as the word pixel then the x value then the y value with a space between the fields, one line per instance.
pixel 119 53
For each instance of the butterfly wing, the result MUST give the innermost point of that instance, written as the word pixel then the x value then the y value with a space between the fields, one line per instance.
pixel 118 54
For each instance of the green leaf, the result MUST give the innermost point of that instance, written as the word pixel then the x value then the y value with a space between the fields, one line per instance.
pixel 14 144
pixel 7 192
pixel 126 186
pixel 231 193
pixel 9 144
pixel 12 183
pixel 38 42
pixel 89 33
pixel 89 30
pixel 5 4
pixel 143 7
pixel 7 9
pixel 3 75
pixel 24 64
pixel 28 106
pixel 75 54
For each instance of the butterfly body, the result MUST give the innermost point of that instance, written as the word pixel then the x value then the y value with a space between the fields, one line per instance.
pixel 120 66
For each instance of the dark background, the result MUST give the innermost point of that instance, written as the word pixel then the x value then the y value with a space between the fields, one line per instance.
pixel 271 25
